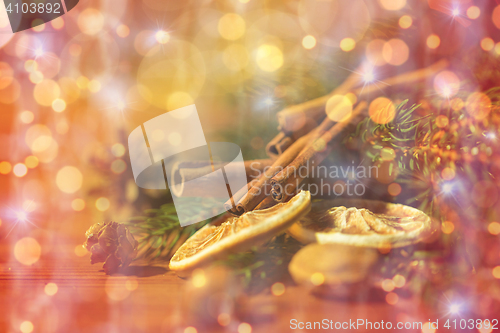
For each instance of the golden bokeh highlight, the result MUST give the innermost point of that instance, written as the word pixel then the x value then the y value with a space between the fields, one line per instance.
pixel 118 150
pixel 26 327
pixel 442 121
pixel 448 173
pixel 171 75
pixel 231 26
pixel 433 41
pixel 5 167
pixel 278 289
pixel 30 66
pixel 269 57
pixel 399 281
pixel 69 179
pixel 338 107
pixel 308 42
pixel 494 228
pixel 392 4
pixel 80 251
pixel 102 204
pixel 347 44
pixel 46 92
pixel 198 278
pixel 495 16
pixel 224 319
pixel 34 133
pixel 90 21
pixel 162 37
pixel 394 189
pixel 447 227
pixel 51 289
pixel 118 166
pixel 27 117
pixel 36 77
pixel 388 285
pixel 78 204
pixel 190 329
pixel 373 52
pixel 487 44
pixel 27 251
pixel 473 12
pixel 317 279
pixel 179 99
pixel 405 21
pixel 122 30
pixel 382 110
pixel 58 105
pixel 235 57
pixel 38 25
pixel 57 23
pixel 478 105
pixel 244 328
pixel 446 84
pixel 496 272
pixel 69 89
pixel 395 52
pixel 131 284
pixel 94 86
pixel 392 298
pixel 20 170
pixel 31 162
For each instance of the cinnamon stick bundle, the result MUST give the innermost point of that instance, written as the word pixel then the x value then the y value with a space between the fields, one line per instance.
pixel 186 171
pixel 286 182
pixel 261 188
pixel 315 109
pixel 298 120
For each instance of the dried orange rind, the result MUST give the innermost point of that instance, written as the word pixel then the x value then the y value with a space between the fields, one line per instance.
pixel 363 223
pixel 239 233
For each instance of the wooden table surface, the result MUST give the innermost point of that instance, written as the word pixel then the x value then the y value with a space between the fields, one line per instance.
pixel 154 299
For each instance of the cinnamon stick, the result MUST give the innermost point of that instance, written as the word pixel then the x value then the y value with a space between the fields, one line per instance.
pixel 287 181
pixel 183 172
pixel 298 120
pixel 315 109
pixel 261 188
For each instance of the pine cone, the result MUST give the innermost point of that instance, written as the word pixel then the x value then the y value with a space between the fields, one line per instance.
pixel 111 243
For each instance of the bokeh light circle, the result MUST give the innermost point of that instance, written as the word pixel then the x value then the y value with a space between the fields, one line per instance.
pixel 338 107
pixel 382 110
pixel 27 251
pixel 478 105
pixel 179 67
pixel 269 57
pixel 231 26
pixel 446 84
pixel 69 179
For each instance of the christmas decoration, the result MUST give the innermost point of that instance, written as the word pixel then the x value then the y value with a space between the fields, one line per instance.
pixel 111 243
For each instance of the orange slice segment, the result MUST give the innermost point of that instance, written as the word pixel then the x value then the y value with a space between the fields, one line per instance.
pixel 363 223
pixel 239 233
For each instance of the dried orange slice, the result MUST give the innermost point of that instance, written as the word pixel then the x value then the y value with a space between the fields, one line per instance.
pixel 363 223
pixel 239 233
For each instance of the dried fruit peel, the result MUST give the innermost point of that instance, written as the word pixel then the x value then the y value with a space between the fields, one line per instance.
pixel 363 223
pixel 239 233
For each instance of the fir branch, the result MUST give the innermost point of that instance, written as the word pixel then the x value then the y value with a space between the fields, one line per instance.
pixel 159 232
